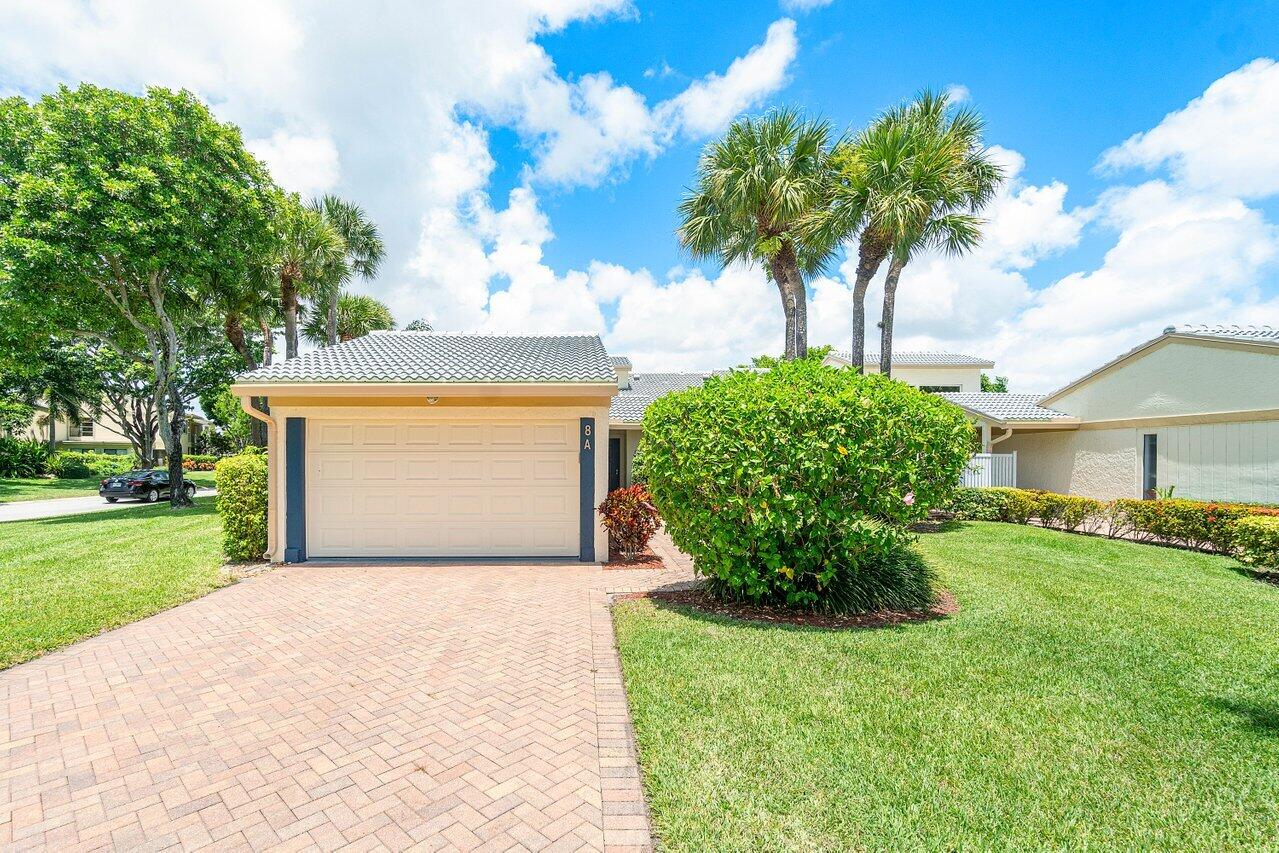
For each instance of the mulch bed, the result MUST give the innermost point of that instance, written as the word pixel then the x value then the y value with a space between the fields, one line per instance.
pixel 645 559
pixel 700 601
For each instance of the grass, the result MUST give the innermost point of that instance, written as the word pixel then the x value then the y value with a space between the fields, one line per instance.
pixel 39 489
pixel 64 579
pixel 1089 694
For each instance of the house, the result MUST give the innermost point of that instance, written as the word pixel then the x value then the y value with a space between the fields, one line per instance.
pixel 424 444
pixel 1195 409
pixel 931 371
pixel 100 433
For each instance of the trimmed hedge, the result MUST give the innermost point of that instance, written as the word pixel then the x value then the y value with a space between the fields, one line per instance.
pixel 242 503
pixel 796 485
pixel 1256 541
pixel 199 462
pixel 78 464
pixel 20 457
pixel 1205 525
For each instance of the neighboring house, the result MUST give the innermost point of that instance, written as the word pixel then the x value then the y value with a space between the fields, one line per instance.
pixel 931 371
pixel 100 433
pixel 423 444
pixel 1195 409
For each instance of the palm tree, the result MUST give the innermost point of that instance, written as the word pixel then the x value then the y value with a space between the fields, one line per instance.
pixel 753 188
pixel 364 253
pixel 912 179
pixel 65 383
pixel 308 246
pixel 356 317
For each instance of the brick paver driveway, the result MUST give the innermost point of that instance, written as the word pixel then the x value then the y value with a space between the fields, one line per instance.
pixel 453 706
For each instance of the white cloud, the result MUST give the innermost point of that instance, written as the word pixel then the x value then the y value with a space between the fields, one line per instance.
pixel 805 5
pixel 1226 140
pixel 307 165
pixel 709 104
pixel 958 93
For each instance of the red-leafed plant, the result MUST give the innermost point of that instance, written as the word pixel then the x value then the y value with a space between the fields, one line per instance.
pixel 630 518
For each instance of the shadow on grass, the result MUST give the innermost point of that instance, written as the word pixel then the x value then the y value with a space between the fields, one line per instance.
pixel 204 505
pixel 1261 716
pixel 952 525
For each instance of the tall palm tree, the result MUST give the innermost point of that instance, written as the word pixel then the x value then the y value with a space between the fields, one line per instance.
pixel 364 253
pixel 308 246
pixel 753 188
pixel 914 174
pixel 356 317
pixel 953 179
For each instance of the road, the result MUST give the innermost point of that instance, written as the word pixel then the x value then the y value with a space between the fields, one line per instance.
pixel 25 510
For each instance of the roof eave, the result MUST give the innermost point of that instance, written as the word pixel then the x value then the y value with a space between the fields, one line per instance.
pixel 413 389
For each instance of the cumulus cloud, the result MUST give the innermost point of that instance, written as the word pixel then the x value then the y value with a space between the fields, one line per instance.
pixel 303 164
pixel 804 5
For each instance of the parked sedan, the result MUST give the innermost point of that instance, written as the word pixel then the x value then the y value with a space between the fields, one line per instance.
pixel 147 485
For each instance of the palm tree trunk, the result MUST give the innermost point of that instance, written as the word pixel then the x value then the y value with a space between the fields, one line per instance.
pixel 886 320
pixel 870 254
pixel 332 319
pixel 790 284
pixel 234 330
pixel 268 342
pixel 289 304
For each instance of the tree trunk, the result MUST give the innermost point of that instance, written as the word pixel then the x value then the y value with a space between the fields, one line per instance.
pixel 268 342
pixel 332 319
pixel 235 336
pixel 289 304
pixel 870 254
pixel 177 427
pixel 886 321
pixel 790 284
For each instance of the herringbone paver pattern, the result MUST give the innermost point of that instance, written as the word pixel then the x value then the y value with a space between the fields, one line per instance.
pixel 319 707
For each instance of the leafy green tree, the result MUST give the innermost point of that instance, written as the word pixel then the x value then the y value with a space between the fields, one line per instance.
pixel 128 393
pixel 61 379
pixel 357 315
pixel 116 210
pixel 816 354
pixel 363 256
pixel 998 384
pixel 307 246
pixel 418 326
pixel 15 415
pixel 754 186
pixel 230 417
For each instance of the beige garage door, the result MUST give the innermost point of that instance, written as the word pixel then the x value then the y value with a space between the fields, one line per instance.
pixel 442 488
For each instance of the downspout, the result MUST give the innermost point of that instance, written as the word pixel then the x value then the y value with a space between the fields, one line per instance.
pixel 272 501
pixel 1007 432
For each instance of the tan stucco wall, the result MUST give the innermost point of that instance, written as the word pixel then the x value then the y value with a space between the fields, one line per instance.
pixel 286 408
pixel 1179 377
pixel 1102 464
pixel 967 378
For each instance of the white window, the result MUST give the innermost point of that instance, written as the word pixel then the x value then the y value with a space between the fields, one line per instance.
pixel 82 429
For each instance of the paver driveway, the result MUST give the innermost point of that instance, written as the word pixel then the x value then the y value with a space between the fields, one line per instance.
pixel 454 706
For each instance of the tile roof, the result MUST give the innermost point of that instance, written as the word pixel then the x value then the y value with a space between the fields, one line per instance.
pixel 629 405
pixel 922 359
pixel 1003 406
pixel 619 361
pixel 1266 334
pixel 447 357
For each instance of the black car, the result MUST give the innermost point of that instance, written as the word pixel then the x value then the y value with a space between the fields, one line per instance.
pixel 147 485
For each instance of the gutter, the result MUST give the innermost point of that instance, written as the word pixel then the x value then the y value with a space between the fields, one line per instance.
pixel 246 403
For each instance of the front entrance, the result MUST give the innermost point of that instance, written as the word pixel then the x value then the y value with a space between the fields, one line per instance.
pixel 614 463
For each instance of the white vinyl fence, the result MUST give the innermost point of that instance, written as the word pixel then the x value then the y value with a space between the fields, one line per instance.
pixel 990 469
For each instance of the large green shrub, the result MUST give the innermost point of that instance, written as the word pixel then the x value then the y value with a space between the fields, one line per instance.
pixel 1256 539
pixel 796 485
pixel 242 503
pixel 22 458
pixel 79 464
pixel 1177 521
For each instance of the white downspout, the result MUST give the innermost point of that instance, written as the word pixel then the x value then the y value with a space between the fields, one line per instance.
pixel 272 501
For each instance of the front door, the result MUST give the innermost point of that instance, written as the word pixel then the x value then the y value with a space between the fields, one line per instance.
pixel 614 463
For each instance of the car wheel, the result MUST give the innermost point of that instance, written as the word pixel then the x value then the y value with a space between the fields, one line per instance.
pixel 153 496
pixel 112 500
pixel 189 488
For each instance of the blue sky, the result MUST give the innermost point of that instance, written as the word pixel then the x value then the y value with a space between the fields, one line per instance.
pixel 524 157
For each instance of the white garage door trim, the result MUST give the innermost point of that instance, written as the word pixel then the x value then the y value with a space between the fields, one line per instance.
pixel 444 487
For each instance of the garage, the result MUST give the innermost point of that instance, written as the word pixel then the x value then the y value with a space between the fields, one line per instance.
pixel 450 488
pixel 437 445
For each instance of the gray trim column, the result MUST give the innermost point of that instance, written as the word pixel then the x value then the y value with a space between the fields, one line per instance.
pixel 295 490
pixel 586 477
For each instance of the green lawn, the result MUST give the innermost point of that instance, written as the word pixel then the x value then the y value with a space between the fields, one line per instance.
pixel 63 579
pixel 1089 694
pixel 27 489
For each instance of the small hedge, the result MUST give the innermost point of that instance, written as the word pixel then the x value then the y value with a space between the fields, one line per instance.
pixel 242 503
pixel 630 518
pixel 1204 525
pixel 79 464
pixel 199 462
pixel 1256 540
pixel 796 486
pixel 21 457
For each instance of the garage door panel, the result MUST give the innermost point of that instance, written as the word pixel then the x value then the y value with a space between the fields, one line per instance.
pixel 449 488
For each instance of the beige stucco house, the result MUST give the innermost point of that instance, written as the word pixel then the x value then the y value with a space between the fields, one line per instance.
pixel 100 433
pixel 1195 409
